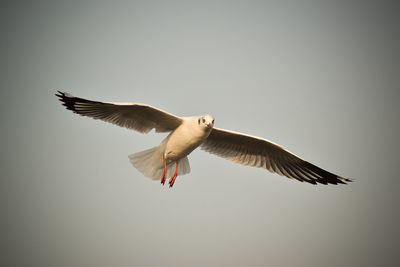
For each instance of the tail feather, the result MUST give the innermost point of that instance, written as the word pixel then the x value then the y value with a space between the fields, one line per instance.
pixel 184 166
pixel 150 163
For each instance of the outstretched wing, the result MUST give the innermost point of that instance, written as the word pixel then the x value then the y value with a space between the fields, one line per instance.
pixel 258 152
pixel 140 117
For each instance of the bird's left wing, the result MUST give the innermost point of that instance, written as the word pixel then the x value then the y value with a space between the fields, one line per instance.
pixel 139 117
pixel 254 151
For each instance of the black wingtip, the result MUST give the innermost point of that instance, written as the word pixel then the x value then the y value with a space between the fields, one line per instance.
pixel 340 180
pixel 59 94
pixel 322 176
pixel 66 100
pixel 346 180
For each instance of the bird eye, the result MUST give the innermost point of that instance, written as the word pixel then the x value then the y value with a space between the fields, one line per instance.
pixel 204 120
pixel 212 121
pixel 198 121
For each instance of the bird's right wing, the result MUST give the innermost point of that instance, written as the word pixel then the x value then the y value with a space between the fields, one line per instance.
pixel 140 117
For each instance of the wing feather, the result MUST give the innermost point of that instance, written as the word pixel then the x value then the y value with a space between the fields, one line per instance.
pixel 255 151
pixel 140 117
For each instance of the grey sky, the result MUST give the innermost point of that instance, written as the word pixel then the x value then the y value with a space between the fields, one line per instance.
pixel 318 77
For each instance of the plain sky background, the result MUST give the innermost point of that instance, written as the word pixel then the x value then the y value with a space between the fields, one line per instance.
pixel 320 78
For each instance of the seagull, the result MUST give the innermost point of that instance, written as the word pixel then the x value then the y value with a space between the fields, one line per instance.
pixel 188 133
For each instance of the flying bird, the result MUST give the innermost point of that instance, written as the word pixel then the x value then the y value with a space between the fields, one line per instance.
pixel 188 133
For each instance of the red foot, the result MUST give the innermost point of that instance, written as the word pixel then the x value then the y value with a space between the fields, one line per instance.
pixel 165 173
pixel 173 178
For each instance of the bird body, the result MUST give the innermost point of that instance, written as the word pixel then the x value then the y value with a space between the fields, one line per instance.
pixel 187 137
pixel 188 133
pixel 174 148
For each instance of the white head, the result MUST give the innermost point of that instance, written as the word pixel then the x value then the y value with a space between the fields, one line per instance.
pixel 206 121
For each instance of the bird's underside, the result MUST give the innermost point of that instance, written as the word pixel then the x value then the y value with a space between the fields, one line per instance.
pixel 187 133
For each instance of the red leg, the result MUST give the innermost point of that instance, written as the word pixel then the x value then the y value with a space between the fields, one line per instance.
pixel 173 178
pixel 165 172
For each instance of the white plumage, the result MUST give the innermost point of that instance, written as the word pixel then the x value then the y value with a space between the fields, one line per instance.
pixel 188 133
